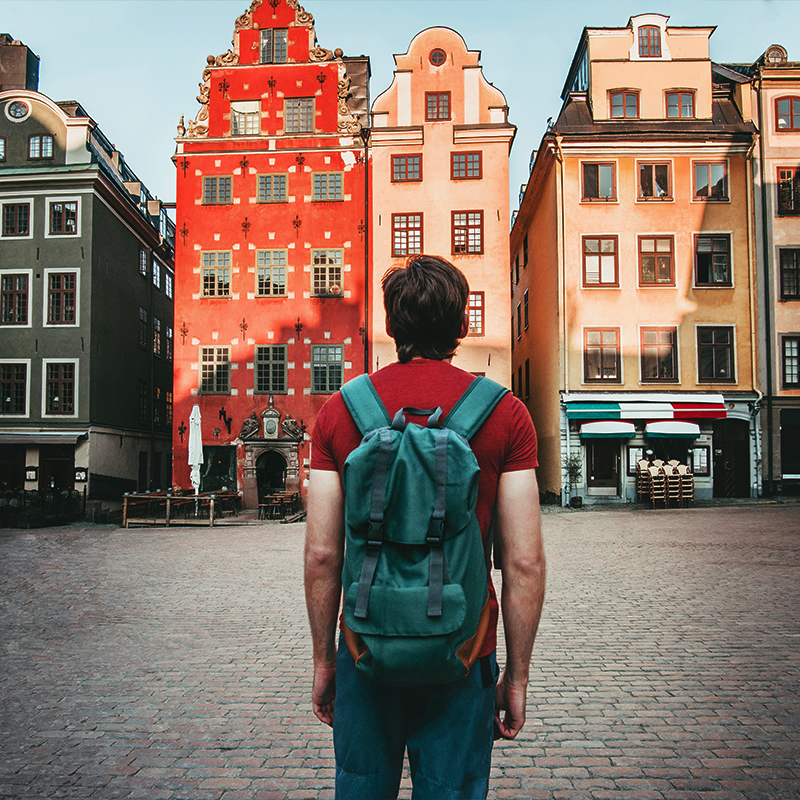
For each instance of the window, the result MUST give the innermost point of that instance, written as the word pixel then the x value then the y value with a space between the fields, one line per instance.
pixel 649 42
pixel 658 349
pixel 327 185
pixel 406 168
pixel 437 57
pixel 272 188
pixel 466 166
pixel 519 320
pixel 791 361
pixel 475 310
pixel 274 48
pixel 600 261
pixel 787 113
pixel 601 355
pixel 156 274
pixel 270 368
pixel 654 182
pixel 437 106
pixel 169 285
pixel 525 308
pixel 216 274
pixel 40 146
pixel 245 118
pixel 655 260
pixel 13 388
pixel 711 181
pixel 156 405
pixel 143 259
pixel 298 115
pixel 468 232
pixel 60 389
pixel 525 250
pixel 270 273
pixel 712 260
pixel 156 337
pixel 406 234
pixel 790 274
pixel 215 370
pixel 14 299
pixel 527 378
pixel 624 105
pixel 168 408
pixel 168 344
pixel 680 105
pixel 16 219
pixel 144 401
pixel 2 148
pixel 515 271
pixel 326 268
pixel 715 354
pixel 61 298
pixel 64 218
pixel 217 191
pixel 327 368
pixel 789 191
pixel 598 182
pixel 142 328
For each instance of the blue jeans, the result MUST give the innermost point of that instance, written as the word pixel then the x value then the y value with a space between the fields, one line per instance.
pixel 448 730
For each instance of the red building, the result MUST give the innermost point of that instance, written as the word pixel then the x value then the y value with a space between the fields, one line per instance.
pixel 270 298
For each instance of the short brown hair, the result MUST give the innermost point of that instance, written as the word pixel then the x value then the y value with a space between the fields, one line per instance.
pixel 425 303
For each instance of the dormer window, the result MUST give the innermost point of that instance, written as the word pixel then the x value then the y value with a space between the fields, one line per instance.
pixel 624 105
pixel 649 41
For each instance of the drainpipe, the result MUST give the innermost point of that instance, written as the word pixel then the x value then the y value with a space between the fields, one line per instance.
pixel 365 136
pixel 751 280
pixel 765 242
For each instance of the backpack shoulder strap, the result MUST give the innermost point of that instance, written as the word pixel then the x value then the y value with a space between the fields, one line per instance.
pixel 364 405
pixel 474 407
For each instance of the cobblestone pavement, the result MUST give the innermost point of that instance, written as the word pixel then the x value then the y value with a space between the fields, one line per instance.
pixel 172 664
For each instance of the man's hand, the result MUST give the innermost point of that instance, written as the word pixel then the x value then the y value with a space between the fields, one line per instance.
pixel 323 693
pixel 511 699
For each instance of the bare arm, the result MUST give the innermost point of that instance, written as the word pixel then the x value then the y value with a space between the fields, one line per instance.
pixel 324 553
pixel 520 534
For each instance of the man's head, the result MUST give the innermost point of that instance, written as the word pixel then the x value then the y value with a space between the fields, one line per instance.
pixel 425 302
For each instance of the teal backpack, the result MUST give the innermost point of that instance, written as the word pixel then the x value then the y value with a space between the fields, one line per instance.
pixel 415 575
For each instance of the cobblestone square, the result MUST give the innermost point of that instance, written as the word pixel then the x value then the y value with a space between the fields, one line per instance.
pixel 175 663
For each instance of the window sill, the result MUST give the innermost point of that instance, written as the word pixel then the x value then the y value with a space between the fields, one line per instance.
pixel 663 199
pixel 600 286
pixel 712 286
pixel 599 200
pixel 665 285
pixel 696 199
pixel 656 381
pixel 332 200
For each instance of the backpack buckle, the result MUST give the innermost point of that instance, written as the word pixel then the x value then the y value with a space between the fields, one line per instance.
pixel 435 536
pixel 375 534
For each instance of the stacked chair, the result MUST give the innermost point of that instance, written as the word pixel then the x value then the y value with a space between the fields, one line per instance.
pixel 670 483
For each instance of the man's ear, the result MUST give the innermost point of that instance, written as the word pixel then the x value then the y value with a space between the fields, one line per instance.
pixel 464 326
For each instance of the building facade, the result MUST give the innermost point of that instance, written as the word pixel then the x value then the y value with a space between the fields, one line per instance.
pixel 86 281
pixel 440 143
pixel 271 214
pixel 633 291
pixel 775 84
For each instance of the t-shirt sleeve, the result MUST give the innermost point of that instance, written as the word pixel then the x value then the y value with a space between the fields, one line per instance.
pixel 522 450
pixel 322 456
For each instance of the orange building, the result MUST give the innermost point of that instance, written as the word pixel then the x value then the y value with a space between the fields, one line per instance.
pixel 270 308
pixel 440 142
pixel 632 272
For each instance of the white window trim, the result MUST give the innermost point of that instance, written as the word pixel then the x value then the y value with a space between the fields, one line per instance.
pixel 677 378
pixel 695 285
pixel 699 380
pixel 199 389
pixel 24 100
pixel 658 235
pixel 656 21
pixel 597 384
pixel 65 199
pixel 598 200
pixel 47 361
pixel 655 160
pixel 46 297
pixel 26 361
pixel 29 273
pixel 9 201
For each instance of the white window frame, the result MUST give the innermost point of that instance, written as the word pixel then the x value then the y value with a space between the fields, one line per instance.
pixel 16 201
pixel 79 216
pixel 29 273
pixel 27 362
pixel 46 299
pixel 215 347
pixel 249 112
pixel 76 387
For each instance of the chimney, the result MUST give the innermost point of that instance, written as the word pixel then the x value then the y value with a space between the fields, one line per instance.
pixel 19 65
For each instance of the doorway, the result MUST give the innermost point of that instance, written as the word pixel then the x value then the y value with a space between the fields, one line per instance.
pixel 56 467
pixel 602 472
pixel 270 474
pixel 731 458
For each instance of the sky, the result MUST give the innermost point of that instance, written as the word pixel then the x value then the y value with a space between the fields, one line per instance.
pixel 135 65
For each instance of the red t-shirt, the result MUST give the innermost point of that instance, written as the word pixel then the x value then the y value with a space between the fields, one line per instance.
pixel 506 442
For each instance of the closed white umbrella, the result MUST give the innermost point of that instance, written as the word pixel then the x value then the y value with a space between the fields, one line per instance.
pixel 195 448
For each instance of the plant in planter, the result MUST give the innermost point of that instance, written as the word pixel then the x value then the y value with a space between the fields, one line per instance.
pixel 573 467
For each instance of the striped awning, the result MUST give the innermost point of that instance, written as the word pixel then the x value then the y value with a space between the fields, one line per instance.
pixel 646 406
pixel 672 429
pixel 41 437
pixel 608 429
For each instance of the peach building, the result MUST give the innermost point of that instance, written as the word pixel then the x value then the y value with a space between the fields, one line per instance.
pixel 440 145
pixel 776 103
pixel 633 291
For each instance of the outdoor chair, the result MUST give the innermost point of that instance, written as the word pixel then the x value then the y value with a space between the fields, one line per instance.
pixel 658 486
pixel 687 484
pixel 673 485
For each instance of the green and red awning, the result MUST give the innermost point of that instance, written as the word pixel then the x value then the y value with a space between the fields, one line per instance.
pixel 646 407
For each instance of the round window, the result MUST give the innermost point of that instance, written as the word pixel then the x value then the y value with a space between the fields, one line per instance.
pixel 18 110
pixel 437 57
